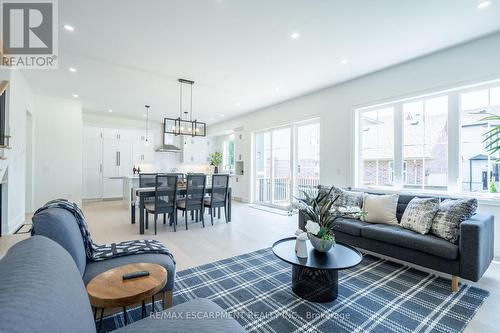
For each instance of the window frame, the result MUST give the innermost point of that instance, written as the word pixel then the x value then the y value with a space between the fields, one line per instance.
pixel 454 140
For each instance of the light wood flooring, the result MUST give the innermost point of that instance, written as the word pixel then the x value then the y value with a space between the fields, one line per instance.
pixel 251 229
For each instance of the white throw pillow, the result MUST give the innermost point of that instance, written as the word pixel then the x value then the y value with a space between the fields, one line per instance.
pixel 380 208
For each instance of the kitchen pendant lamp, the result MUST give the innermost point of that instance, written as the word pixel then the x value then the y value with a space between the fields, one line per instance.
pixel 184 124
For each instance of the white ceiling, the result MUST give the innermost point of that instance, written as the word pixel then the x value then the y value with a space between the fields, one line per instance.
pixel 240 52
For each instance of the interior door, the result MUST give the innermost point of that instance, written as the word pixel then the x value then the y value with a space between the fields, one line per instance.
pixel 92 163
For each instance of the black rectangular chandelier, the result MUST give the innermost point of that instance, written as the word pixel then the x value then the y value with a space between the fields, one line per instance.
pixel 184 124
pixel 178 126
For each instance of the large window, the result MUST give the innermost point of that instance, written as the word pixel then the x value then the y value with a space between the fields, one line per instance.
pixel 425 143
pixel 436 142
pixel 377 153
pixel 478 169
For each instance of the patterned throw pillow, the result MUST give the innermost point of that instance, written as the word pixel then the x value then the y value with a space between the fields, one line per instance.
pixel 419 214
pixel 451 213
pixel 347 199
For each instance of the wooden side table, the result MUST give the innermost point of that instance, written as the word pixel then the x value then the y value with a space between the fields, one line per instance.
pixel 109 290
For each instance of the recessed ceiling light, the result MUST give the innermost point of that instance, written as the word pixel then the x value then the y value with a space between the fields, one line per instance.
pixel 295 35
pixel 145 115
pixel 277 88
pixel 75 96
pixel 344 61
pixel 110 110
pixel 483 3
pixel 222 115
pixel 238 104
pixel 69 27
pixel 72 69
pixel 211 118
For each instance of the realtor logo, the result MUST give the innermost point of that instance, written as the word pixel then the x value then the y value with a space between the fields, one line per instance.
pixel 28 34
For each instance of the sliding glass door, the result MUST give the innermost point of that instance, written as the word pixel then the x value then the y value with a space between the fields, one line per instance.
pixel 286 158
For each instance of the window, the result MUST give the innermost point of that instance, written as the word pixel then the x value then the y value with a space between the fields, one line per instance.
pixel 425 143
pixel 433 143
pixel 479 171
pixel 377 140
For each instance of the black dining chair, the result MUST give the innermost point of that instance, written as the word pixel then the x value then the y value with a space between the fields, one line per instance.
pixel 218 199
pixel 195 194
pixel 180 176
pixel 165 200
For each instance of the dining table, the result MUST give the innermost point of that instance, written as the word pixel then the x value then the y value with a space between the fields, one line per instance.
pixel 142 193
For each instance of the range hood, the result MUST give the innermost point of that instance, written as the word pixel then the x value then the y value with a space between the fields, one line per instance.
pixel 167 148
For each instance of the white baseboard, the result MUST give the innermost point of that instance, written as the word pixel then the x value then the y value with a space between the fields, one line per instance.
pixel 13 226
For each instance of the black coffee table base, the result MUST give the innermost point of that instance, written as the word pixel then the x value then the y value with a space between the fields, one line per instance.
pixel 315 285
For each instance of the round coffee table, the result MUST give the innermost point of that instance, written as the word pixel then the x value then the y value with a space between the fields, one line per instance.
pixel 109 290
pixel 315 278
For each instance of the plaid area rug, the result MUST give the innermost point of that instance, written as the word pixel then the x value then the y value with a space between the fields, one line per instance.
pixel 375 296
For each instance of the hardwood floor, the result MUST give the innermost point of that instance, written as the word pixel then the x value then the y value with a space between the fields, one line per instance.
pixel 251 229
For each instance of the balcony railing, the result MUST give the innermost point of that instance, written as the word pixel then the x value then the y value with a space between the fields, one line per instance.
pixel 281 188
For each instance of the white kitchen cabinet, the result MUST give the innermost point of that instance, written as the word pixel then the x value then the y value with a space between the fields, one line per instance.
pixel 113 153
pixel 142 153
pixel 196 150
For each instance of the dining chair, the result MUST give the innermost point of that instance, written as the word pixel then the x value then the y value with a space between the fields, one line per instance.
pixel 195 194
pixel 165 199
pixel 218 199
pixel 147 180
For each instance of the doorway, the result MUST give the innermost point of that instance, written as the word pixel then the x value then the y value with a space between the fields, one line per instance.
pixel 286 161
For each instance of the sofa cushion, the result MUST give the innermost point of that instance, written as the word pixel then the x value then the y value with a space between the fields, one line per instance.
pixel 60 226
pixel 419 214
pixel 41 290
pixel 451 213
pixel 380 208
pixel 406 238
pixel 198 315
pixel 346 198
pixel 95 268
pixel 348 226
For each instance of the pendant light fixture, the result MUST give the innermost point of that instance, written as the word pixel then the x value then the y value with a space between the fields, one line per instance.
pixel 184 124
pixel 146 143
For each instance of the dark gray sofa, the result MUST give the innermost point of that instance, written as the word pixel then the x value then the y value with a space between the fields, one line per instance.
pixel 41 290
pixel 468 259
pixel 60 226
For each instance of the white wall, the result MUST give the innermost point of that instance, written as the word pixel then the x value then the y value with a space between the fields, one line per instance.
pixel 20 100
pixel 58 150
pixel 465 64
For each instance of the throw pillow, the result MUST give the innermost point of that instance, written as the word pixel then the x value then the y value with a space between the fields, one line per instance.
pixel 451 213
pixel 347 199
pixel 380 208
pixel 419 214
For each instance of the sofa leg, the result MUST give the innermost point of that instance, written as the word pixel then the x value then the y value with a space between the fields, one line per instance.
pixel 167 299
pixel 454 283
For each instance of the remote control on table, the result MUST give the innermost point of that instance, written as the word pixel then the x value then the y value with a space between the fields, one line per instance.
pixel 134 275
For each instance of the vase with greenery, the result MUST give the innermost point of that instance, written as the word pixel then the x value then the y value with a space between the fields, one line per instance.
pixel 321 215
pixel 216 160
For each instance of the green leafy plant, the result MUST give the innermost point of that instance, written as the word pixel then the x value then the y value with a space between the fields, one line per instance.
pixel 492 187
pixel 492 136
pixel 215 158
pixel 318 210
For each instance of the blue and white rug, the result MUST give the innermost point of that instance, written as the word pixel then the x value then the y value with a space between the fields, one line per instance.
pixel 375 296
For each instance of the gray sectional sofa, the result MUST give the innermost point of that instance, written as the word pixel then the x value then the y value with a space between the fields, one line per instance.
pixel 42 290
pixel 60 226
pixel 468 259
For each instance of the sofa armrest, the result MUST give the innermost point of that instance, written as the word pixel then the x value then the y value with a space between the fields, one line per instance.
pixel 476 246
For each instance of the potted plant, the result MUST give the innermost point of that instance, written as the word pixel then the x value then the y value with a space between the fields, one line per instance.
pixel 321 216
pixel 216 160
